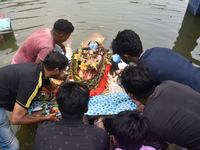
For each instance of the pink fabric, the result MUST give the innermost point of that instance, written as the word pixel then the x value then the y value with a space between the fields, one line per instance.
pixel 142 148
pixel 38 44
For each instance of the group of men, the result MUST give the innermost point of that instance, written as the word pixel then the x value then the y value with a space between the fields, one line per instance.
pixel 164 83
pixel 168 86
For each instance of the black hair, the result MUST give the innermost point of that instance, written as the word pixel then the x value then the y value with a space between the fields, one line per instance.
pixel 114 67
pixel 55 60
pixel 137 80
pixel 130 129
pixel 127 42
pixel 63 26
pixel 72 99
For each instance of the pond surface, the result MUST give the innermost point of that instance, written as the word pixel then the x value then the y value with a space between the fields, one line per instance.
pixel 164 23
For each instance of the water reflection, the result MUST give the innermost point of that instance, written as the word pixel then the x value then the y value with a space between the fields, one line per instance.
pixel 26 135
pixel 9 43
pixel 189 33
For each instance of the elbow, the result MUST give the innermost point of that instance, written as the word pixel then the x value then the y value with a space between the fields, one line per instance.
pixel 14 121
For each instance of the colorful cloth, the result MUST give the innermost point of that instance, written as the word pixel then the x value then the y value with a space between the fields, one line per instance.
pixel 110 104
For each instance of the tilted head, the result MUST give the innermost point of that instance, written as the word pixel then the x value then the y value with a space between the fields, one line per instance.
pixel 138 81
pixel 63 26
pixel 130 129
pixel 72 99
pixel 62 29
pixel 127 42
pixel 57 62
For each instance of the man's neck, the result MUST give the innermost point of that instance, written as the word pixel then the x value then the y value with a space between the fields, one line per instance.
pixel 141 54
pixel 54 36
pixel 144 101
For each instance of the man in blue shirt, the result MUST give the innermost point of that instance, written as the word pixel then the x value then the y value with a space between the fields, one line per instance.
pixel 163 63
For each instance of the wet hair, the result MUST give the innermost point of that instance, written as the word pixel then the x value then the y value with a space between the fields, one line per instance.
pixel 72 99
pixel 137 80
pixel 127 42
pixel 63 26
pixel 55 60
pixel 129 129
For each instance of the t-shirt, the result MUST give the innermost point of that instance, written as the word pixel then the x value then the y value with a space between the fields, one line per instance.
pixel 173 112
pixel 20 83
pixel 38 44
pixel 165 64
pixel 70 135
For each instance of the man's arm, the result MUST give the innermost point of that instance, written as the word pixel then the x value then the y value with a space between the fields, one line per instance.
pixel 20 116
pixel 38 60
pixel 63 48
pixel 51 86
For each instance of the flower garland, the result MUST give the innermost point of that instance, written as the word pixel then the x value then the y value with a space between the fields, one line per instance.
pixel 79 60
pixel 102 84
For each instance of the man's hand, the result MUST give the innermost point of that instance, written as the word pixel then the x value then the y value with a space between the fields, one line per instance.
pixel 52 117
pixel 20 116
pixel 139 105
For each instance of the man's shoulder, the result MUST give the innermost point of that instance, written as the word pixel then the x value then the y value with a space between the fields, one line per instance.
pixel 173 84
pixel 43 30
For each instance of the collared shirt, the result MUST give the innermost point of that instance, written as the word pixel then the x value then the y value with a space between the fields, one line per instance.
pixel 20 83
pixel 70 134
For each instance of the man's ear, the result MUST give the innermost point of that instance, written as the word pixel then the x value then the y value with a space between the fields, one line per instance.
pixel 130 95
pixel 61 34
pixel 56 69
pixel 126 56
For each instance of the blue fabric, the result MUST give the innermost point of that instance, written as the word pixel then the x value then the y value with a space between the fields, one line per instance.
pixel 102 104
pixel 165 64
pixel 8 140
pixel 110 104
pixel 58 49
pixel 5 24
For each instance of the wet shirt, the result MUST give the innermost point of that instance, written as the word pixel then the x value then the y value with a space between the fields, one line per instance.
pixel 20 83
pixel 173 112
pixel 70 134
pixel 38 44
pixel 165 64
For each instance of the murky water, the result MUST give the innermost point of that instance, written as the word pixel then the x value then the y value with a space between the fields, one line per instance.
pixel 163 23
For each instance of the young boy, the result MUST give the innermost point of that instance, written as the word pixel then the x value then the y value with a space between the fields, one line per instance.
pixel 129 129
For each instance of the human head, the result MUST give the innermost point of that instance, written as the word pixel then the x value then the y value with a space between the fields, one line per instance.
pixel 72 99
pixel 63 26
pixel 129 129
pixel 62 29
pixel 138 81
pixel 127 42
pixel 57 62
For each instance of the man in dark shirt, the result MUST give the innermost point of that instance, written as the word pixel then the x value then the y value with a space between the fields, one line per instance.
pixel 70 133
pixel 20 84
pixel 172 108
